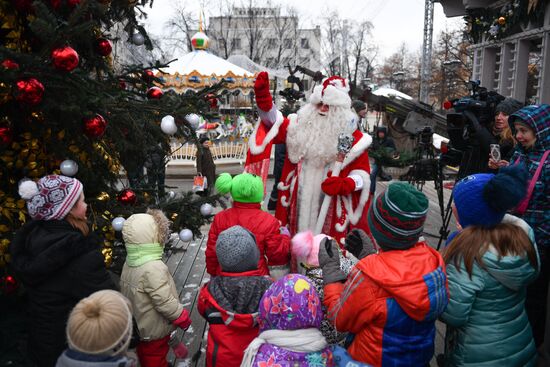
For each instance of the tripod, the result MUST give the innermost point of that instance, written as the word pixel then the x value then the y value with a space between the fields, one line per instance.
pixel 428 167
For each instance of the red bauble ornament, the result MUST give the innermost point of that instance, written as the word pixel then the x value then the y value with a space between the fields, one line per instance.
pixel 95 127
pixel 154 93
pixel 104 47
pixel 127 197
pixel 122 84
pixel 65 58
pixel 29 91
pixel 10 64
pixel 5 135
pixel 148 75
pixel 8 284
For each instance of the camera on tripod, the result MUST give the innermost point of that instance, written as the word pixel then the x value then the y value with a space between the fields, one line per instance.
pixel 471 113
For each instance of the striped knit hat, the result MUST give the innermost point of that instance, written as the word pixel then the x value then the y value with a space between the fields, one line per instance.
pixel 397 216
pixel 52 197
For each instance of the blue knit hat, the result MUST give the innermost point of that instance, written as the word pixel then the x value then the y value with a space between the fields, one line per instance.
pixel 483 199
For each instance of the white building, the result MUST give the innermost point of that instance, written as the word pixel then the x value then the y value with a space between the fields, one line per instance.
pixel 511 45
pixel 267 37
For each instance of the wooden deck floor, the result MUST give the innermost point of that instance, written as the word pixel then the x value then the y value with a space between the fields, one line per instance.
pixel 186 262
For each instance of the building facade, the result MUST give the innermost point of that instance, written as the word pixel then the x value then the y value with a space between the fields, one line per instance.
pixel 511 45
pixel 266 36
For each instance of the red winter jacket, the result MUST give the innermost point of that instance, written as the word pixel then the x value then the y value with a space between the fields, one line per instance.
pixel 274 247
pixel 230 333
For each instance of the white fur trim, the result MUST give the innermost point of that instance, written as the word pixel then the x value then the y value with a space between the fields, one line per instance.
pixel 334 96
pixel 357 149
pixel 358 180
pixel 284 202
pixel 258 149
pixel 342 227
pixel 285 185
pixel 355 215
pixel 315 97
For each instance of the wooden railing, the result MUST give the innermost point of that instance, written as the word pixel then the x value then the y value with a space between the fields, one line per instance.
pixel 228 152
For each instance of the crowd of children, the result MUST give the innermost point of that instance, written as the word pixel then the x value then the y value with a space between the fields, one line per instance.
pixel 306 301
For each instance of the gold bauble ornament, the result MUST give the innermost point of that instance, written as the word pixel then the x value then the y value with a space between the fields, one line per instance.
pixel 502 21
pixel 107 256
pixel 103 196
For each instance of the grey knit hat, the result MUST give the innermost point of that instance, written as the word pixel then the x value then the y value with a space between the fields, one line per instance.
pixel 237 251
pixel 508 106
pixel 358 105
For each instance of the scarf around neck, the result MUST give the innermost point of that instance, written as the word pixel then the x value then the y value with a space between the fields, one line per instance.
pixel 301 341
pixel 143 253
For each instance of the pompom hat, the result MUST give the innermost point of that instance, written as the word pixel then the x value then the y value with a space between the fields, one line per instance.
pixel 333 92
pixel 305 247
pixel 484 198
pixel 52 197
pixel 100 324
pixel 244 188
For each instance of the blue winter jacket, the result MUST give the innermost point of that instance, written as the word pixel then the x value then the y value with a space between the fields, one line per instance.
pixel 486 320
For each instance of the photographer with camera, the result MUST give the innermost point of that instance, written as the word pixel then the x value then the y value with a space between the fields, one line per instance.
pixel 384 144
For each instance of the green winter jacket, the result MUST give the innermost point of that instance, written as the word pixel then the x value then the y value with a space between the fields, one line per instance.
pixel 486 320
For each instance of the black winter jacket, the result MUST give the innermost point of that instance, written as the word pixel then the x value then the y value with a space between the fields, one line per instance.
pixel 58 266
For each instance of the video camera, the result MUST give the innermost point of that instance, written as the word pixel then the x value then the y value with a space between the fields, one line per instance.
pixel 291 94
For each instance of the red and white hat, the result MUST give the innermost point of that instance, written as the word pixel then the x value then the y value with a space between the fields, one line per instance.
pixel 333 92
pixel 52 197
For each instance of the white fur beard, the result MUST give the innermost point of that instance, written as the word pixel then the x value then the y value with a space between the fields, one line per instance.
pixel 314 137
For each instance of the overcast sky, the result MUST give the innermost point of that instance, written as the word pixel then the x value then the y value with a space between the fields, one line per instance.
pixel 395 21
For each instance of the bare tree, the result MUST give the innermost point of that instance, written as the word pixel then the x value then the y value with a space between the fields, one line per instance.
pixel 284 23
pixel 332 45
pixel 221 29
pixel 182 25
pixel 361 53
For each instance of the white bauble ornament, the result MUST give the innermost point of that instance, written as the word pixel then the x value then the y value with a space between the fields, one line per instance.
pixel 206 209
pixel 138 39
pixel 186 235
pixel 168 125
pixel 193 119
pixel 118 223
pixel 171 194
pixel 68 167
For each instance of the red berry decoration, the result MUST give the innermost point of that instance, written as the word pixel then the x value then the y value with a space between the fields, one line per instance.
pixel 95 127
pixel 10 64
pixel 104 47
pixel 8 284
pixel 127 197
pixel 154 93
pixel 29 91
pixel 65 58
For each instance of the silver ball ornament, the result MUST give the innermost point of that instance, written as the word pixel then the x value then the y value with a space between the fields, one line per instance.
pixel 193 119
pixel 68 167
pixel 118 223
pixel 138 39
pixel 186 235
pixel 168 125
pixel 171 194
pixel 206 209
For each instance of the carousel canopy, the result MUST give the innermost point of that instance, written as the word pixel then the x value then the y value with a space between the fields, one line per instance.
pixel 203 62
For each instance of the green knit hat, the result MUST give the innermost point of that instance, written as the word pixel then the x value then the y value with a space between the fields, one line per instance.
pixel 244 188
pixel 396 217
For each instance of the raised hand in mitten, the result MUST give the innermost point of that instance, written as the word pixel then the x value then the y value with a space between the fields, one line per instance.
pixel 183 321
pixel 338 186
pixel 359 243
pixel 261 90
pixel 329 261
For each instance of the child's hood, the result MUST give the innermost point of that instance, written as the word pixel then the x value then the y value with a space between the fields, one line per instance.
pixel 513 272
pixel 537 117
pixel 414 278
pixel 140 229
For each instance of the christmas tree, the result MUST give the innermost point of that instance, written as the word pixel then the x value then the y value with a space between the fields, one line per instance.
pixel 64 109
